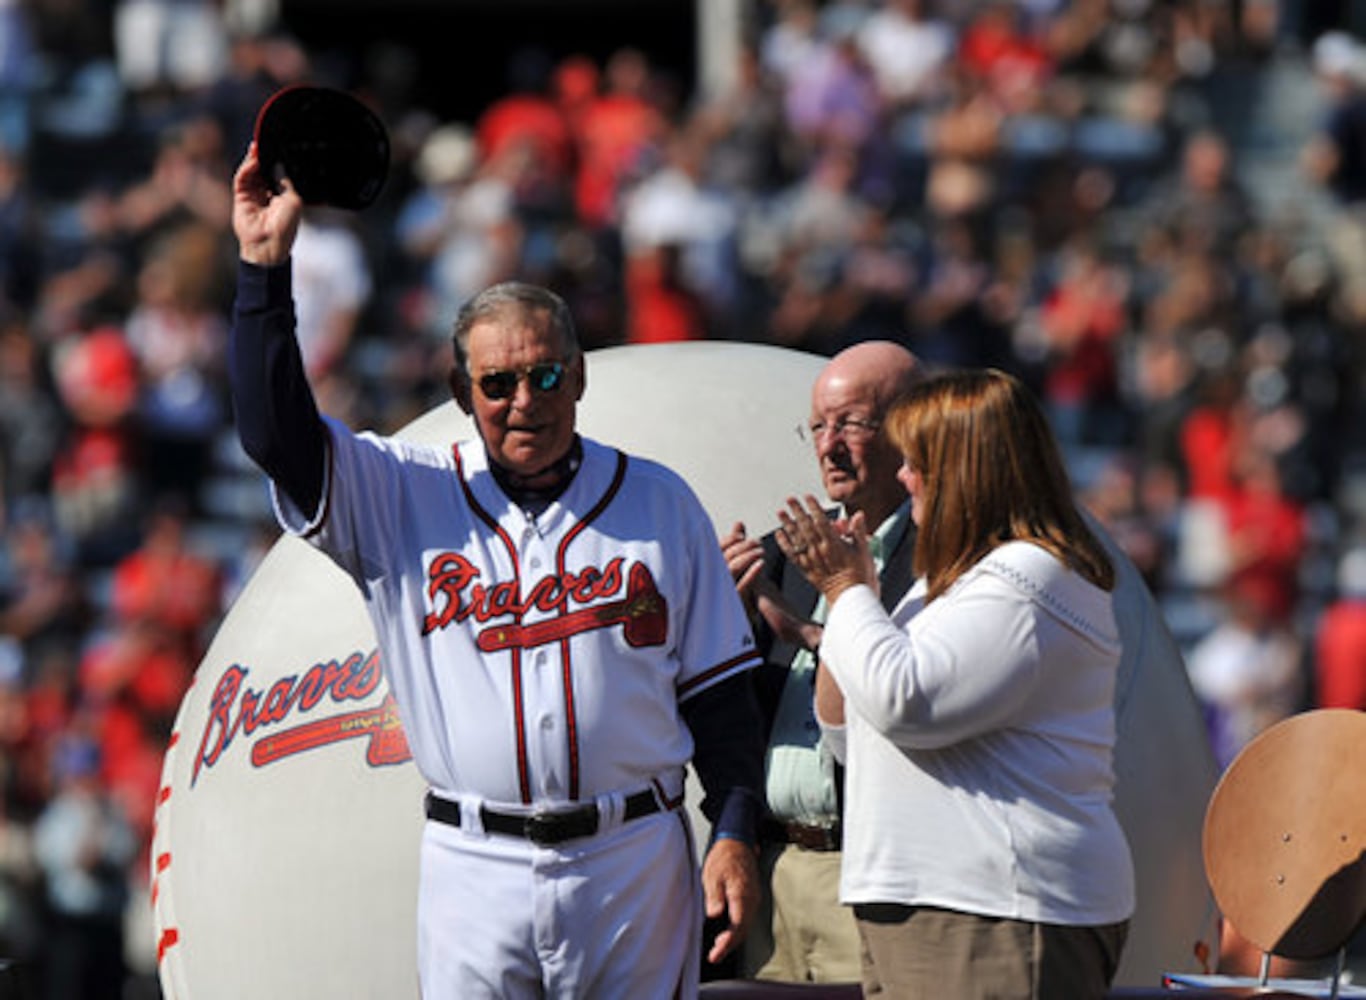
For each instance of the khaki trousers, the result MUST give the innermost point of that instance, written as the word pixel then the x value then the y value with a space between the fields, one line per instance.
pixel 803 934
pixel 911 953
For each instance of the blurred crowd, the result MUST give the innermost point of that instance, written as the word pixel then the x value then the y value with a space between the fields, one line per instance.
pixel 1053 187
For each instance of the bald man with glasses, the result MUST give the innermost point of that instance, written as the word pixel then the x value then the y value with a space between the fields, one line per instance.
pixel 803 934
pixel 560 632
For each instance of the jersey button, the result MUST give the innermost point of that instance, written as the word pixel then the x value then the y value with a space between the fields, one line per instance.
pixel 547 722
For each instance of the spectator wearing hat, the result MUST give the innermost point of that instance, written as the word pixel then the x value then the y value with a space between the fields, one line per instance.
pixel 459 228
pixel 96 487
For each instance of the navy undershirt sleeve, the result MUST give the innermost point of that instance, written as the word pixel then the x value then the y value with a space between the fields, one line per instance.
pixel 276 414
pixel 728 755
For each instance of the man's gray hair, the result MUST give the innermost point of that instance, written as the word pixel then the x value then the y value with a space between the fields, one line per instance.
pixel 513 301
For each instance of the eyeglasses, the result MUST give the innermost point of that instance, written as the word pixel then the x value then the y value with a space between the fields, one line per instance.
pixel 848 428
pixel 545 377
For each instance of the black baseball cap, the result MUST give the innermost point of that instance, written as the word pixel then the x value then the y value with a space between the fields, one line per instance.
pixel 332 147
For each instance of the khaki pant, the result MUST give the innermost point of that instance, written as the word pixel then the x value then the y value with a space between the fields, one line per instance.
pixel 802 934
pixel 1346 242
pixel 911 953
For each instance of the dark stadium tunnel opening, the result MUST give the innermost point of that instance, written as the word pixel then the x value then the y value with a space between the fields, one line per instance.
pixel 454 58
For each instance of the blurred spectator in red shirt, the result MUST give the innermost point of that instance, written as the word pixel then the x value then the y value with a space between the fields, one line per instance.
pixel 164 599
pixel 131 684
pixel 1243 526
pixel 1340 639
pixel 138 665
pixel 1082 319
pixel 48 702
pixel 616 130
pixel 574 87
pixel 1267 535
pixel 167 583
pixel 660 306
pixel 1212 435
pixel 528 115
pixel 996 48
pixel 95 476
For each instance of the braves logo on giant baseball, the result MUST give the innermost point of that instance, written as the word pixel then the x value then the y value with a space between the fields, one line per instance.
pixel 237 708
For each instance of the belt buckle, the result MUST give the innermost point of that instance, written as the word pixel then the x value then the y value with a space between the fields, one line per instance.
pixel 543 828
pixel 829 838
pixel 815 836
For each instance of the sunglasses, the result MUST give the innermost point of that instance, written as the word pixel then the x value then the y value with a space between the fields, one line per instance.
pixel 545 377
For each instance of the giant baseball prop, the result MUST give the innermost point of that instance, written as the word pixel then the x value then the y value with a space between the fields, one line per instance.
pixel 285 855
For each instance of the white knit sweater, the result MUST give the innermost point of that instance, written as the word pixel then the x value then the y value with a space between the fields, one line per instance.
pixel 980 730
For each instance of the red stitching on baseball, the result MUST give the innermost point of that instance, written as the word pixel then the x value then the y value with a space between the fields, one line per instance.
pixel 163 861
pixel 170 936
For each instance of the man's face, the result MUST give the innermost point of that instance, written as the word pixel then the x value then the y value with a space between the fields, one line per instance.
pixel 529 429
pixel 858 465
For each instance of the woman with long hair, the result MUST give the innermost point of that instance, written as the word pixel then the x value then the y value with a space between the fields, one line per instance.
pixel 982 854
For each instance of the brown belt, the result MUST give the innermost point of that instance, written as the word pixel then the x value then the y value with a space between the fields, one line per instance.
pixel 808 836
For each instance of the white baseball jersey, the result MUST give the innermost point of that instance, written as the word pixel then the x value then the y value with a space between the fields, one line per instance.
pixel 535 660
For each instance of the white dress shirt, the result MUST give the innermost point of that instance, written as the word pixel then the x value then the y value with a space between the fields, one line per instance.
pixel 980 731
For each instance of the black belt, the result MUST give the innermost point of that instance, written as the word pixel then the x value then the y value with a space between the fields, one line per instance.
pixel 808 836
pixel 544 827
